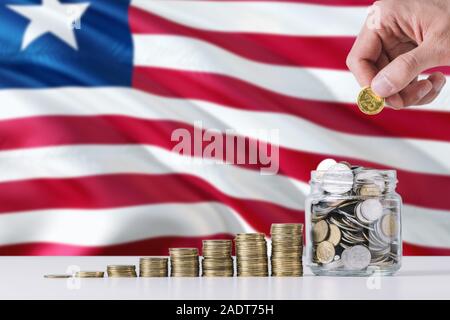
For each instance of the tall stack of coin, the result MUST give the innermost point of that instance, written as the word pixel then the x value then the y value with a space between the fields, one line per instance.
pixel 251 255
pixel 184 262
pixel 121 271
pixel 217 260
pixel 287 249
pixel 153 267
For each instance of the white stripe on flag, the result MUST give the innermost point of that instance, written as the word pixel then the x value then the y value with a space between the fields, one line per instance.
pixel 81 161
pixel 188 54
pixel 424 227
pixel 415 155
pixel 108 226
pixel 275 17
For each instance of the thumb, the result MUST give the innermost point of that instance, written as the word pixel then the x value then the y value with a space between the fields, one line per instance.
pixel 401 71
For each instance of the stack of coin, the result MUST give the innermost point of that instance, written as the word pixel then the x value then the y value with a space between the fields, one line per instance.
pixel 89 274
pixel 121 271
pixel 184 262
pixel 153 267
pixel 217 260
pixel 251 255
pixel 287 249
pixel 355 223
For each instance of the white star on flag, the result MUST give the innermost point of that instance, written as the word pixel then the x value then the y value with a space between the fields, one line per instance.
pixel 50 17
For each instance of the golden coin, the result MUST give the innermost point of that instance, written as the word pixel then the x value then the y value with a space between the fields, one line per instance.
pixel 369 190
pixel 325 252
pixel 334 235
pixel 369 103
pixel 389 225
pixel 89 274
pixel 57 276
pixel 320 231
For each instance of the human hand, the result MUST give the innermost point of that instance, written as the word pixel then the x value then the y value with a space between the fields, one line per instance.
pixel 412 36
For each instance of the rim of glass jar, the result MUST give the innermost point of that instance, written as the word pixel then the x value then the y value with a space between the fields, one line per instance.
pixel 389 175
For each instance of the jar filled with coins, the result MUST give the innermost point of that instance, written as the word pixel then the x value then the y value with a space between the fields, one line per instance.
pixel 353 221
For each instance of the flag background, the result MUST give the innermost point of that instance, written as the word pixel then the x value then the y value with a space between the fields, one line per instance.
pixel 85 135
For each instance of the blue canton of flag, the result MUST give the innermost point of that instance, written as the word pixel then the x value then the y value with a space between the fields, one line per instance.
pixel 84 43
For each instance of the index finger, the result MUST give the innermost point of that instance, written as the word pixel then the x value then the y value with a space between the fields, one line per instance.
pixel 364 55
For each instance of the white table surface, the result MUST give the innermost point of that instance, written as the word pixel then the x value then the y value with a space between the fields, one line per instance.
pixel 22 278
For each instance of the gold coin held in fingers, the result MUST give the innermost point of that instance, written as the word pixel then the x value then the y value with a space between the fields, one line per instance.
pixel 369 103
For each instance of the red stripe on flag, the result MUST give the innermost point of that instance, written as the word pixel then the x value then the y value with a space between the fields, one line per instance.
pixel 118 130
pixel 410 249
pixel 158 246
pixel 122 190
pixel 301 51
pixel 235 93
pixel 320 52
pixel 364 3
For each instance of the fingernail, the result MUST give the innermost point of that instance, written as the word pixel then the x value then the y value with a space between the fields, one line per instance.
pixel 382 86
pixel 439 88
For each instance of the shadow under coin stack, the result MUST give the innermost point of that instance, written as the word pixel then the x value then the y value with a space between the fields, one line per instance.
pixel 121 271
pixel 153 267
pixel 184 262
pixel 251 255
pixel 217 260
pixel 287 249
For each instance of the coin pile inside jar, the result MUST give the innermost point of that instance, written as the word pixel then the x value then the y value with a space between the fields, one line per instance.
pixel 355 225
pixel 121 271
pixel 217 260
pixel 89 274
pixel 184 262
pixel 251 255
pixel 287 249
pixel 153 267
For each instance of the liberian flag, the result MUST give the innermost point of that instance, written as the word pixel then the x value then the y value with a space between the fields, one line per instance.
pixel 91 92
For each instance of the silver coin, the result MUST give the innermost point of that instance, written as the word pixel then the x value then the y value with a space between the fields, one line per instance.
pixel 355 222
pixel 371 177
pixel 338 179
pixel 322 208
pixel 371 209
pixel 357 258
pixel 325 164
pixel 341 225
pixel 355 237
pixel 359 215
pixel 333 265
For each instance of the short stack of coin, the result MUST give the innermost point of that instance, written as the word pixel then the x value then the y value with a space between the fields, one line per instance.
pixel 287 249
pixel 121 271
pixel 217 260
pixel 89 274
pixel 184 262
pixel 153 267
pixel 251 255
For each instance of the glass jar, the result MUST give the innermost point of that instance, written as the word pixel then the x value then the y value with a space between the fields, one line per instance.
pixel 353 222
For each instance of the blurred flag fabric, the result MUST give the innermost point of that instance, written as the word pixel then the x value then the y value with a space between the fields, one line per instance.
pixel 86 158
